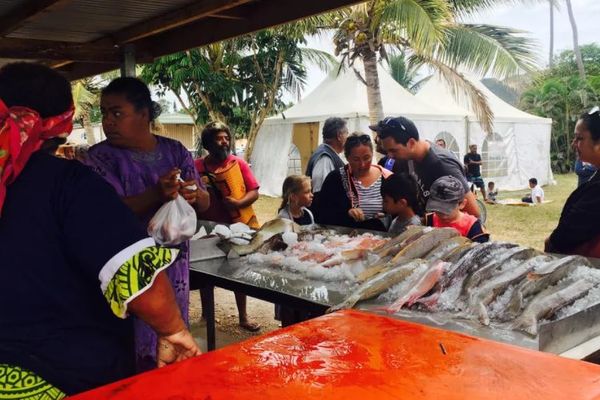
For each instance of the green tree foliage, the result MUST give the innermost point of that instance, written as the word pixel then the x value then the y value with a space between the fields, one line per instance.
pixel 559 93
pixel 240 81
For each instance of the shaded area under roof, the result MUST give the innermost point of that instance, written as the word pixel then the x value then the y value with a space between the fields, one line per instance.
pixel 87 37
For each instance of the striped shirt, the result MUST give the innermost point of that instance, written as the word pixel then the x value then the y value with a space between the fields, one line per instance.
pixel 369 198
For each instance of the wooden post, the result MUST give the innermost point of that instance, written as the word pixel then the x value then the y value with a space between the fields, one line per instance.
pixel 128 60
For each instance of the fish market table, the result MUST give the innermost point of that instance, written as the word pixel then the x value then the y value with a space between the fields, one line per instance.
pixel 276 286
pixel 355 355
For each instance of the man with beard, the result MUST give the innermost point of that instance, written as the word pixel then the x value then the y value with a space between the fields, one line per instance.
pixel 232 188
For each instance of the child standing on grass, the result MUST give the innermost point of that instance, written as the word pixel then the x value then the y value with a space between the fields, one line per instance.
pixel 297 197
pixel 446 200
pixel 399 193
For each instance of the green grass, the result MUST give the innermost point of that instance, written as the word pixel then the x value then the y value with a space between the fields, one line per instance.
pixel 527 226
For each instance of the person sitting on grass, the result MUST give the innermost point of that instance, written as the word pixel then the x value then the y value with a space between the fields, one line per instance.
pixel 446 200
pixel 492 193
pixel 297 196
pixel 537 193
pixel 399 194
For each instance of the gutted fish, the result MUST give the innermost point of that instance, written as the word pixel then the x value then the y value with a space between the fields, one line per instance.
pixel 422 284
pixel 378 284
pixel 425 243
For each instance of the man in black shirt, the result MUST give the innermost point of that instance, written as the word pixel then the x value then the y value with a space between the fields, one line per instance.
pixel 426 162
pixel 473 163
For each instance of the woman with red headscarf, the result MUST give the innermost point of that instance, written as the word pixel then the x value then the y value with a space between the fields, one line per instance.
pixel 75 261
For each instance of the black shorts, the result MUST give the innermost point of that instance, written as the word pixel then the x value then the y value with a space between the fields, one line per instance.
pixel 477 181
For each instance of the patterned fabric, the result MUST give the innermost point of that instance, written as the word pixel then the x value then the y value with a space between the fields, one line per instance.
pixel 22 132
pixel 17 383
pixel 131 173
pixel 135 275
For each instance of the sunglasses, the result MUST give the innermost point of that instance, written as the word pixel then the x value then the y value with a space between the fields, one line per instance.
pixel 363 139
pixel 594 110
pixel 393 123
pixel 217 125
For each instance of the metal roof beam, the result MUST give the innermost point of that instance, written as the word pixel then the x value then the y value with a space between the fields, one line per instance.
pixel 24 12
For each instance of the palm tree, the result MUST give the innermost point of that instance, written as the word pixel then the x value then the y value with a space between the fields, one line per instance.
pixel 85 97
pixel 428 31
pixel 576 48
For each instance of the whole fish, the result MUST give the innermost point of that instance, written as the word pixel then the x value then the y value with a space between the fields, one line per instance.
pixel 445 247
pixel 399 242
pixel 378 284
pixel 543 277
pixel 487 293
pixel 495 265
pixel 425 243
pixel 458 252
pixel 477 255
pixel 548 302
pixel 422 284
pixel 266 232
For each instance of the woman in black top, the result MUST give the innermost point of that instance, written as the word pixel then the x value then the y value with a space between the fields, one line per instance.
pixel 75 261
pixel 351 195
pixel 578 230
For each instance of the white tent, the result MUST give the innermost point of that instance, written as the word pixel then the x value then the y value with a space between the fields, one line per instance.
pixel 519 147
pixel 285 142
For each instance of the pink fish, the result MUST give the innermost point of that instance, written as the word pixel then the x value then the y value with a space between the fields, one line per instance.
pixel 423 284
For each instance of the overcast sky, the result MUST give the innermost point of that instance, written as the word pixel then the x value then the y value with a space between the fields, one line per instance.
pixel 533 18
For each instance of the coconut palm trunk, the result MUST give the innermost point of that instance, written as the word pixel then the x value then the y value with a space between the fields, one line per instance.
pixel 88 128
pixel 551 55
pixel 373 89
pixel 576 48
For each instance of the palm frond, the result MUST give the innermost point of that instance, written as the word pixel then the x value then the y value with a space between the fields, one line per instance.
pixel 464 8
pixel 488 49
pixel 82 98
pixel 418 22
pixel 322 59
pixel 461 88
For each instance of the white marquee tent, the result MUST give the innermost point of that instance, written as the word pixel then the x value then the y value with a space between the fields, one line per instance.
pixel 285 142
pixel 519 147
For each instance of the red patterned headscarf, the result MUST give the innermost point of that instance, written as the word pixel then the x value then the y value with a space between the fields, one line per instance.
pixel 22 132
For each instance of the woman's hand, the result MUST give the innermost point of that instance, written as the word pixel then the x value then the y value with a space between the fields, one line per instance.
pixel 231 203
pixel 176 347
pixel 189 191
pixel 356 214
pixel 168 186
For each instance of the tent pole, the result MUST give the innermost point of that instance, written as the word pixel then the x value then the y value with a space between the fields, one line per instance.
pixel 467 135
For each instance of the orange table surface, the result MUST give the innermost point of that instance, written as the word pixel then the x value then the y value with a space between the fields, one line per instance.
pixel 355 355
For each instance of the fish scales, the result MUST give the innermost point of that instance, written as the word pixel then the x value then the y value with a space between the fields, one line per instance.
pixel 495 265
pixel 445 247
pixel 547 302
pixel 378 284
pixel 422 284
pixel 425 243
pixel 543 277
pixel 488 292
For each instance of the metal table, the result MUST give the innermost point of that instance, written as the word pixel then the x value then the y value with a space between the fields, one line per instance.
pixel 279 287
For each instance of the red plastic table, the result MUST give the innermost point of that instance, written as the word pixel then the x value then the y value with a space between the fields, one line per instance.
pixel 355 355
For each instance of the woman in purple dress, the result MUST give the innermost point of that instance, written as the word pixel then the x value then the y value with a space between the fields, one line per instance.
pixel 144 169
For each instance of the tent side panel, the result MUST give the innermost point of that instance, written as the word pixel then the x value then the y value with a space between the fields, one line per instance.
pixel 270 157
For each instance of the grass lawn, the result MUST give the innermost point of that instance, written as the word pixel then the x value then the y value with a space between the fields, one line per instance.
pixel 527 226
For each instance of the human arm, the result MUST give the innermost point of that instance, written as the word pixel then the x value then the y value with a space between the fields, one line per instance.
pixel 323 167
pixel 121 257
pixel 471 206
pixel 165 190
pixel 249 198
pixel 157 307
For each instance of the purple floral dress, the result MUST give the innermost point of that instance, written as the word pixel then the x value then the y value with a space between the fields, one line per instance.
pixel 130 173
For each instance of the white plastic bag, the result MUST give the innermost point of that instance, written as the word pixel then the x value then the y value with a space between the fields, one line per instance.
pixel 173 223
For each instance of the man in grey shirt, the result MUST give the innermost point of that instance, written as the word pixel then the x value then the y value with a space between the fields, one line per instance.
pixel 325 158
pixel 400 139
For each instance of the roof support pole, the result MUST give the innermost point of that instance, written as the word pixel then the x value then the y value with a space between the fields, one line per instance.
pixel 128 60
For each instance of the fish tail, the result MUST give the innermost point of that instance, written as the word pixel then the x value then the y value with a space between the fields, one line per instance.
pixel 348 303
pixel 484 317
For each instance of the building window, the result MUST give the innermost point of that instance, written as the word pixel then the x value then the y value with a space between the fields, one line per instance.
pixel 493 155
pixel 294 161
pixel 451 143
